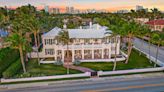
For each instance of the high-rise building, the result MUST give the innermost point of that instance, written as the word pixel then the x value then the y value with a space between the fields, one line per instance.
pixel 56 11
pixel 138 7
pixel 122 11
pixel 46 8
pixel 70 10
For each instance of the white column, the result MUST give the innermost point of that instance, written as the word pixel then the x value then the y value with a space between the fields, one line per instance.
pixel 118 45
pixel 55 55
pixel 82 51
pixel 92 50
pixel 73 53
pixel 110 51
pixel 63 55
pixel 102 53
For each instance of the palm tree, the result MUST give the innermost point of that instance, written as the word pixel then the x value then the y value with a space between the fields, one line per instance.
pixel 130 29
pixel 34 27
pixel 149 41
pixel 143 30
pixel 64 39
pixel 114 35
pixel 156 38
pixel 17 39
pixel 2 17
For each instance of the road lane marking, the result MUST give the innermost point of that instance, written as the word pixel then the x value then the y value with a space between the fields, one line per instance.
pixel 125 88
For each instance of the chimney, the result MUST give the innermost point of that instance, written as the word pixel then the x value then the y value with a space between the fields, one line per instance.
pixel 64 26
pixel 80 27
pixel 90 24
pixel 97 26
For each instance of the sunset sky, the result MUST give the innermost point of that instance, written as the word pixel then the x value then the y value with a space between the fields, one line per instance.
pixel 110 5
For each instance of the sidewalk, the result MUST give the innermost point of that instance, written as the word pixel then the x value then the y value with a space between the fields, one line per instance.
pixel 113 79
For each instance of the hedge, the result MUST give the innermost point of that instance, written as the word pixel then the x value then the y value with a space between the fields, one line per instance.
pixel 7 57
pixel 12 70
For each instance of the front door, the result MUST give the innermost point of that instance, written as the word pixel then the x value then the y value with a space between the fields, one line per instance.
pixel 67 56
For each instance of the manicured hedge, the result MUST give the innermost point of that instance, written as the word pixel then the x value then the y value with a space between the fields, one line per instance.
pixel 7 57
pixel 12 70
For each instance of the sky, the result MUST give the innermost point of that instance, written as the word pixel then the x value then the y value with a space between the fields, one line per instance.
pixel 110 5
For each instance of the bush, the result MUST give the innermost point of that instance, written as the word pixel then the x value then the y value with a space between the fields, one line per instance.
pixel 7 57
pixel 59 62
pixel 77 62
pixel 13 69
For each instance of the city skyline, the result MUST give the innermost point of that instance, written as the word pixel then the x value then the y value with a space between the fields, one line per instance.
pixel 110 5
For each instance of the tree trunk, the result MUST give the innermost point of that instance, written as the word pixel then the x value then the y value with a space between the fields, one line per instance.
pixel 149 52
pixel 67 60
pixel 115 63
pixel 129 47
pixel 38 37
pixel 156 57
pixel 22 59
pixel 141 46
pixel 36 45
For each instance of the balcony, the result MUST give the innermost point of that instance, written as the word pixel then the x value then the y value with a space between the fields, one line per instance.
pixel 86 46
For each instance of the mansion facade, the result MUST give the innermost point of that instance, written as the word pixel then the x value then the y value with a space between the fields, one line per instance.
pixel 88 43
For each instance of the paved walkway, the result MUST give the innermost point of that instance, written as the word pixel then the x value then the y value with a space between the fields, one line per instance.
pixel 82 69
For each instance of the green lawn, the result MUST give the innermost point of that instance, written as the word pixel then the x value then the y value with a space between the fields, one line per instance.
pixel 33 69
pixel 135 62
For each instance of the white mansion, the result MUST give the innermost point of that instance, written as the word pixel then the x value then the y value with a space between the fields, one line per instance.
pixel 88 43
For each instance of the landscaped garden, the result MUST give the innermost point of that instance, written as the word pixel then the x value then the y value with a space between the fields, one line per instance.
pixel 135 62
pixel 33 70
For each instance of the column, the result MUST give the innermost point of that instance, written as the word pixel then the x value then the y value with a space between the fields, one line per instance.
pixel 73 55
pixel 118 45
pixel 82 53
pixel 102 53
pixel 109 51
pixel 92 53
pixel 55 55
pixel 63 55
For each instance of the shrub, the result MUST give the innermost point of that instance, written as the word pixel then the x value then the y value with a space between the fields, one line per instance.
pixel 7 57
pixel 13 69
pixel 59 62
pixel 77 62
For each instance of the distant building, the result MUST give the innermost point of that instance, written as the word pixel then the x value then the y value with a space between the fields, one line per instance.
pixel 138 7
pixel 122 11
pixel 56 11
pixel 46 8
pixel 156 25
pixel 141 20
pixel 70 10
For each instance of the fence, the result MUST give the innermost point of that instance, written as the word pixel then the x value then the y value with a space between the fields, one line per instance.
pixel 160 63
pixel 101 73
pixel 87 74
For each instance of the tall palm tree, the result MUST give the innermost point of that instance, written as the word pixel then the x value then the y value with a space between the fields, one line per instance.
pixel 130 29
pixel 17 38
pixel 114 35
pixel 63 37
pixel 34 27
pixel 157 38
pixel 143 30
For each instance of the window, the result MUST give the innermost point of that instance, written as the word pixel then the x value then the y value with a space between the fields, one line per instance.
pixel 49 51
pixel 45 42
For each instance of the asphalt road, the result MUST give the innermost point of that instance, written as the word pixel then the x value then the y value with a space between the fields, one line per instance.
pixel 107 84
pixel 145 47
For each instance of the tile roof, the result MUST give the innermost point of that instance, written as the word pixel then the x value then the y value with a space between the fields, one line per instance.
pixel 156 22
